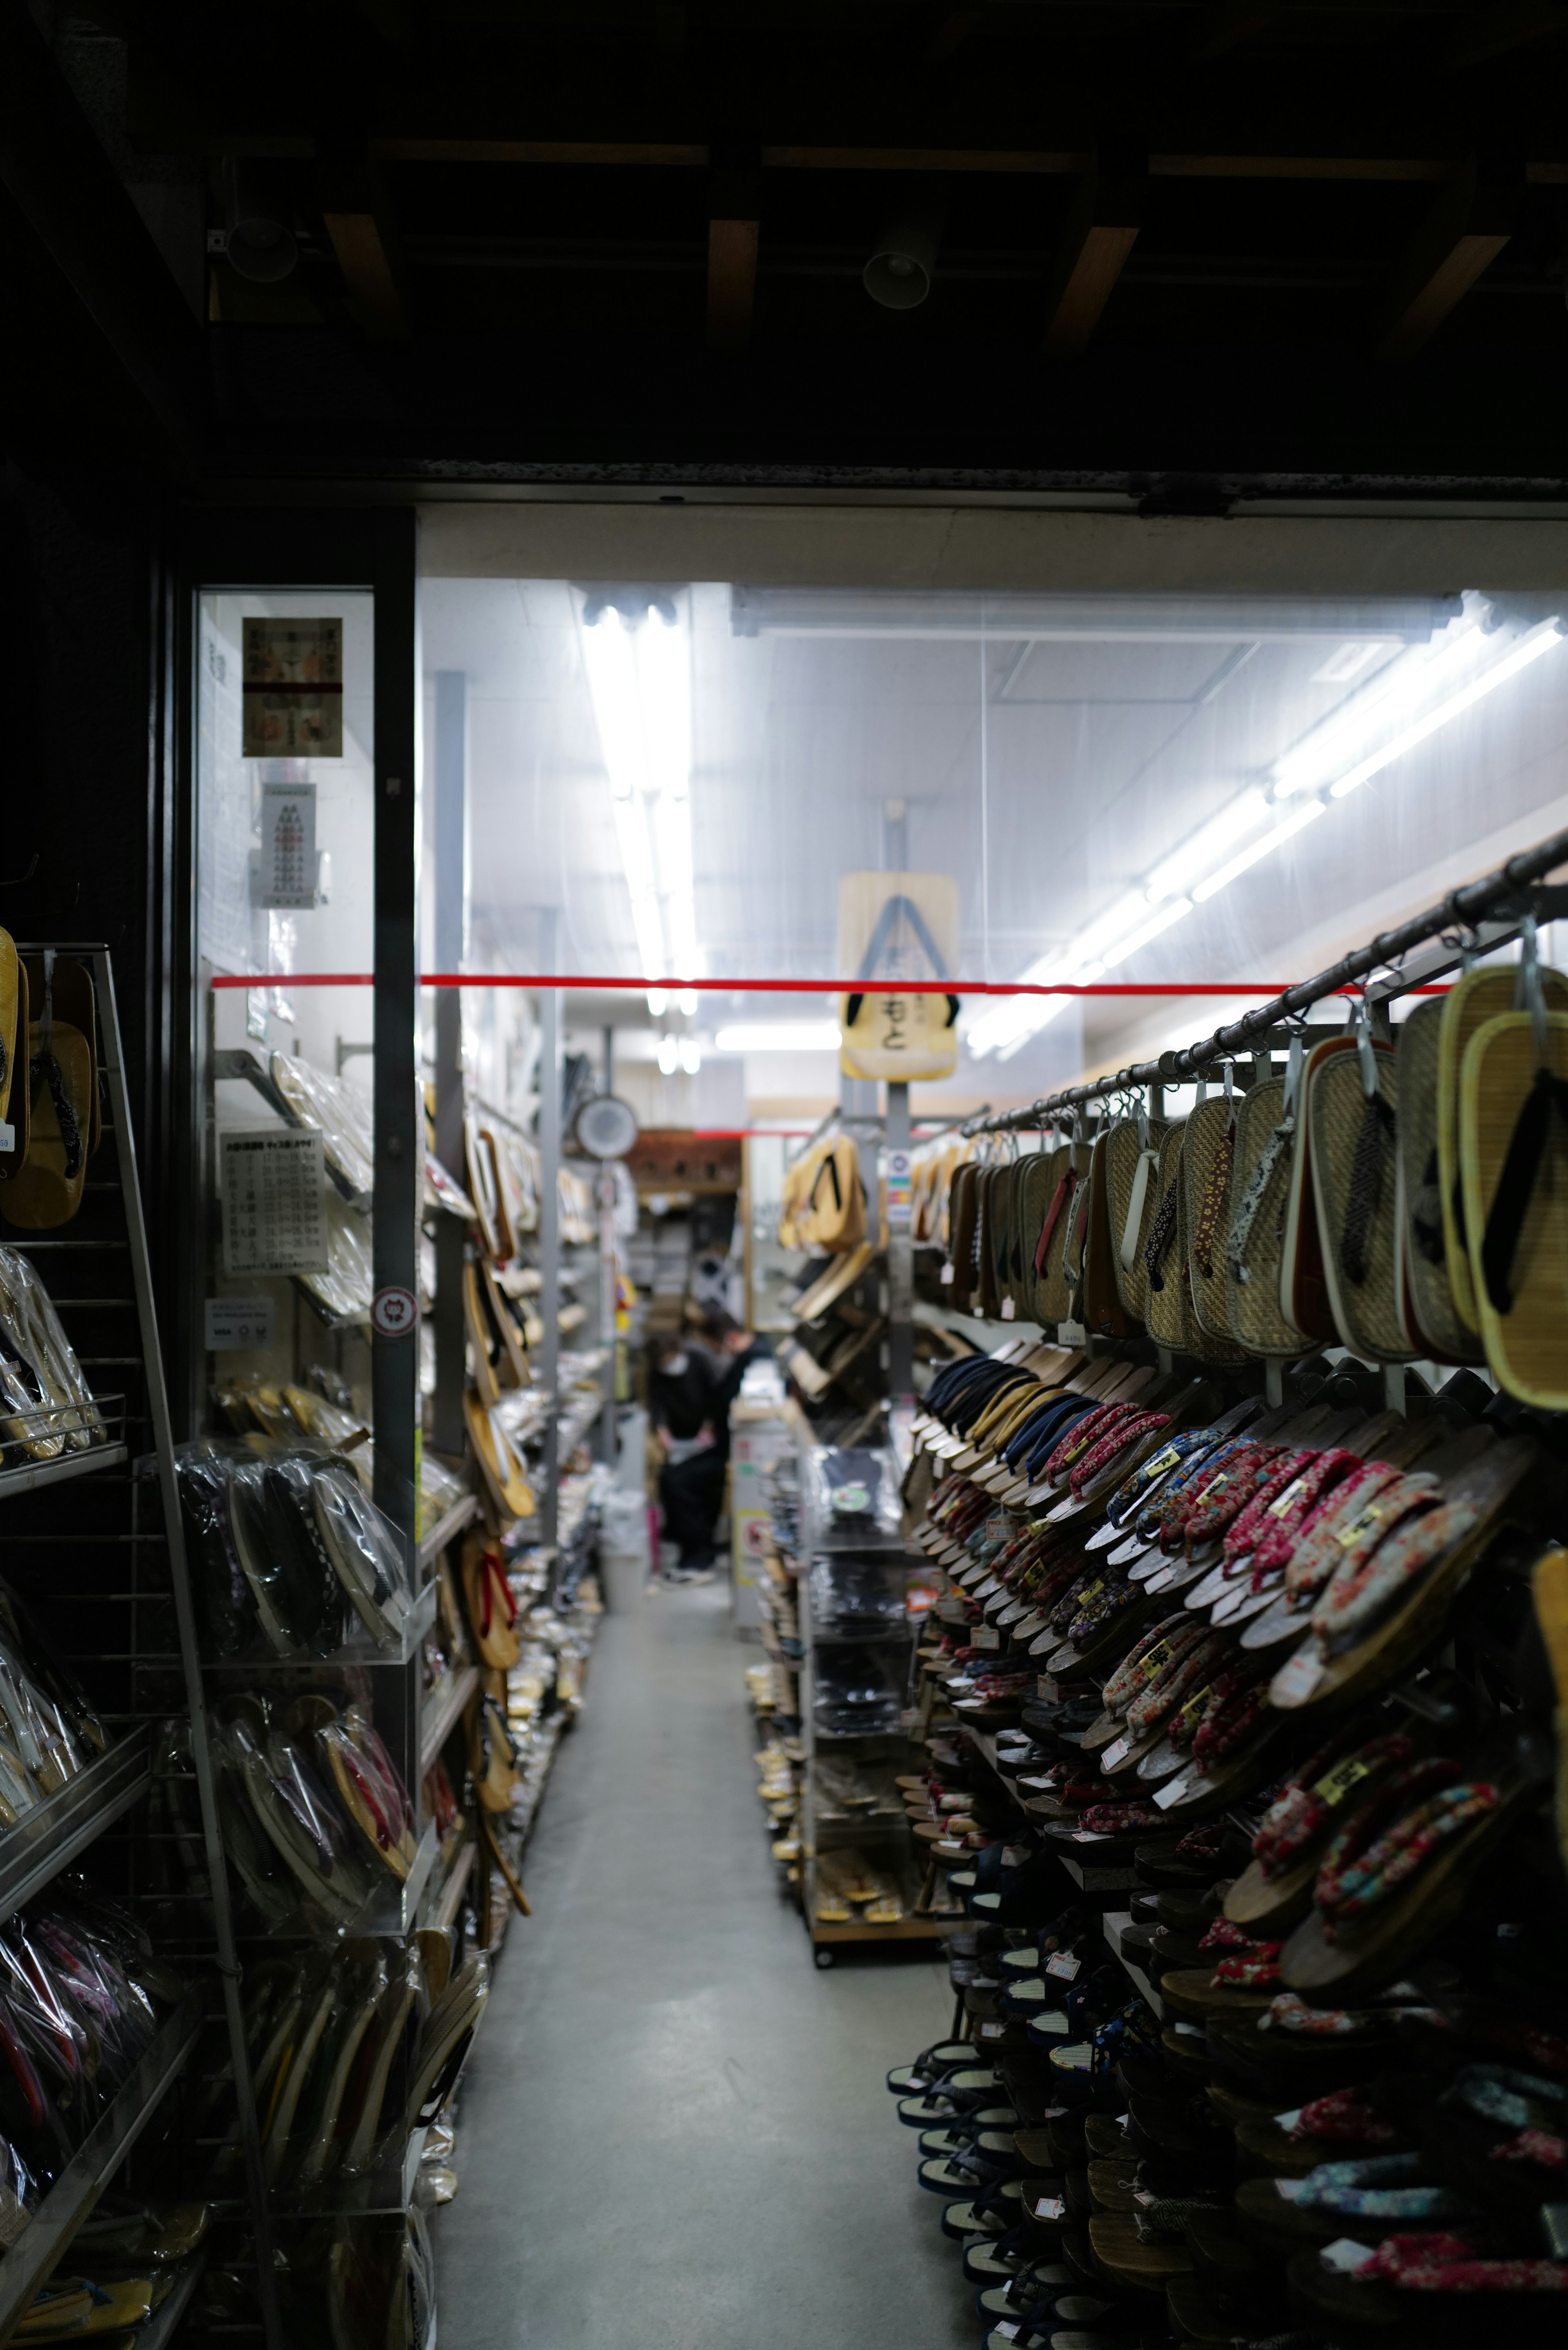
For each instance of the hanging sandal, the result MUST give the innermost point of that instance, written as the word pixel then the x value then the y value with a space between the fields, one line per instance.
pixel 62 1090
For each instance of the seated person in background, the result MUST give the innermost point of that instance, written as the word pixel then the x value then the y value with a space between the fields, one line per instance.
pixel 690 1388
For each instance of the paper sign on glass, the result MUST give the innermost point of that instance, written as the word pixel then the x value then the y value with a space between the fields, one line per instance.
pixel 275 1201
pixel 288 870
pixel 292 688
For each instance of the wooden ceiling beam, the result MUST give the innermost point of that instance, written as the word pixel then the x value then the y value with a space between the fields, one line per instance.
pixel 356 213
pixel 734 227
pixel 1466 226
pixel 1101 229
pixel 1226 25
pixel 1493 32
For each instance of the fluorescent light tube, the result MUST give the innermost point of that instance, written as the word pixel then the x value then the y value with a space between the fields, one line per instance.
pixel 1400 693
pixel 686 1002
pixel 640 678
pixel 658 1001
pixel 691 1056
pixel 780 1037
pixel 1207 846
pixel 610 659
pixel 1528 648
pixel 637 859
pixel 669 1055
pixel 1161 919
pixel 1297 821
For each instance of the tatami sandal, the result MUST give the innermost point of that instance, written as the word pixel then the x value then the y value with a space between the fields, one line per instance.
pixel 1474 1001
pixel 1352 1135
pixel 13 1032
pixel 62 1088
pixel 1424 1300
pixel 1512 1133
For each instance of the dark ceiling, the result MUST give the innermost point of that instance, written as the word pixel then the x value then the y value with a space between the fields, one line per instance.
pixel 1184 253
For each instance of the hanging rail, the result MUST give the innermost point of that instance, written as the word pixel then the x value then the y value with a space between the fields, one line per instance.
pixel 1462 908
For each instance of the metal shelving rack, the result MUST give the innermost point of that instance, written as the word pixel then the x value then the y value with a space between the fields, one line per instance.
pixel 94 1551
pixel 885 1839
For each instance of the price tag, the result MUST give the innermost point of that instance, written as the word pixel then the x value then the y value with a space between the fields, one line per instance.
pixel 1286 1501
pixel 239 1321
pixel 992 2031
pixel 1295 1682
pixel 1345 2256
pixel 1194 1707
pixel 1064 1966
pixel 1173 1790
pixel 1287 2122
pixel 1159 1465
pixel 1155 1662
pixel 985 1635
pixel 1014 1856
pixel 7 1135
pixel 1114 1753
pixel 1050 2206
pixel 1008 2329
pixel 1009 1311
pixel 946 1276
pixel 1091 1835
pixel 1335 1784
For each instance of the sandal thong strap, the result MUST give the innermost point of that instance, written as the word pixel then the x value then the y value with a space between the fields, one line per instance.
pixel 45 1070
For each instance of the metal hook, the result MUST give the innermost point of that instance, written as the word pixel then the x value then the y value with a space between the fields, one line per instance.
pixel 1527 989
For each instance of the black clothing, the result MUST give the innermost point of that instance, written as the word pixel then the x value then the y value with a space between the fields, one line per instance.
pixel 692 1492
pixel 699 1396
pixel 691 1495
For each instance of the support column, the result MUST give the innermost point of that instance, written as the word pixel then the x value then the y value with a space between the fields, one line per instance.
pixel 604 1186
pixel 399 1149
pixel 900 1254
pixel 549 1218
pixel 451 788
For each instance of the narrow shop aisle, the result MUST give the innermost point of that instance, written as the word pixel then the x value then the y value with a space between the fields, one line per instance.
pixel 674 2133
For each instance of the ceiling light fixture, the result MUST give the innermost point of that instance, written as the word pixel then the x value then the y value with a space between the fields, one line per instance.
pixel 637 656
pixel 1370 730
pixel 1396 710
pixel 780 1037
pixel 1175 876
pixel 691 1056
pixel 1297 821
pixel 669 1055
pixel 658 1001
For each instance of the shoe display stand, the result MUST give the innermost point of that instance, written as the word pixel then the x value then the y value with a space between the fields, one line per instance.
pixel 94 1546
pixel 1266 1899
pixel 852 1829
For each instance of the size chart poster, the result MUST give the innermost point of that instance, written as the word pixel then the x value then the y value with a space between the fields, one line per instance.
pixel 289 845
pixel 273 1183
pixel 294 689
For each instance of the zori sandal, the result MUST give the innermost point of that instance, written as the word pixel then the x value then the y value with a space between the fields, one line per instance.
pixel 11 1038
pixel 1479 997
pixel 1513 1164
pixel 910 2080
pixel 62 1087
pixel 18 1107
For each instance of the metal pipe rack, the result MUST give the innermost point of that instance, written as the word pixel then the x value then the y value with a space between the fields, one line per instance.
pixel 1492 910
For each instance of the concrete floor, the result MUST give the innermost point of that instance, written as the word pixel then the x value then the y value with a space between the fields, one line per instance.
pixel 674 2133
